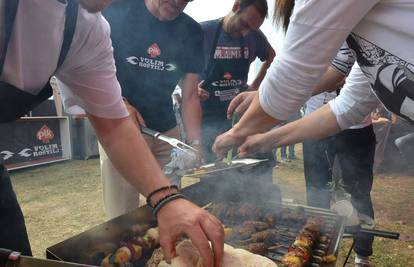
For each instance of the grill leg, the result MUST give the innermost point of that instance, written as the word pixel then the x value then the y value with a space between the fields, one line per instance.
pixel 349 252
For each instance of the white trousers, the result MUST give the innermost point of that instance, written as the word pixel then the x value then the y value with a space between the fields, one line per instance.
pixel 119 196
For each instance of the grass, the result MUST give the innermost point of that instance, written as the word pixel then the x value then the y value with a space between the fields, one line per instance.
pixel 64 199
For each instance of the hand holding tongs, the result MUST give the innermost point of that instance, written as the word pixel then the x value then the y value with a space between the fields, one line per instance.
pixel 172 141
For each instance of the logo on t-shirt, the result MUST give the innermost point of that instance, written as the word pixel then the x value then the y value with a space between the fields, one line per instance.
pixel 227 75
pixel 154 50
pixel 224 52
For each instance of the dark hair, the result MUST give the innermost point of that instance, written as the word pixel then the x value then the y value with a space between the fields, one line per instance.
pixel 261 6
pixel 283 11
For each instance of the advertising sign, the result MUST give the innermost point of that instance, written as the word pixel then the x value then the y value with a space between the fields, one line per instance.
pixel 30 142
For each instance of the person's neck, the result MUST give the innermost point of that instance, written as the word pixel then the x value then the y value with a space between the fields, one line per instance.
pixel 153 9
pixel 225 25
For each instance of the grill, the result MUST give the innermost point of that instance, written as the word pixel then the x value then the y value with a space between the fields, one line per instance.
pixel 210 190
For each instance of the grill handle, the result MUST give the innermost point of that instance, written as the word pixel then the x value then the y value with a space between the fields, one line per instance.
pixel 386 234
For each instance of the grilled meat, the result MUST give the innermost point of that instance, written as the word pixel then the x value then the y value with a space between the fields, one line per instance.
pixel 269 236
pixel 241 232
pixel 256 248
pixel 257 225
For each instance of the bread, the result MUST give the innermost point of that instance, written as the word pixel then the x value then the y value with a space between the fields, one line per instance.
pixel 188 256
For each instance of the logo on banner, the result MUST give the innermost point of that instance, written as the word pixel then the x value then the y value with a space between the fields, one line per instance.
pixel 227 76
pixel 27 152
pixel 45 134
pixel 6 154
pixel 154 50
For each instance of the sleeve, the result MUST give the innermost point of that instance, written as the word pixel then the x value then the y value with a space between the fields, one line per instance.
pixel 356 100
pixel 344 60
pixel 310 45
pixel 262 46
pixel 194 61
pixel 89 73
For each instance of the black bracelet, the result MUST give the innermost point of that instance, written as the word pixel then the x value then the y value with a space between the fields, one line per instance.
pixel 159 190
pixel 164 201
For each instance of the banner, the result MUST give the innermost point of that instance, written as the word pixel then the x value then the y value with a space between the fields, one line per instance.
pixel 26 142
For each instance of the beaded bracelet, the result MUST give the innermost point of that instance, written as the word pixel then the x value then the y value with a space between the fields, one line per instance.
pixel 164 201
pixel 159 190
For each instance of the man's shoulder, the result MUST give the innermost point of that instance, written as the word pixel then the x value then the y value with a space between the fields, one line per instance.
pixel 210 25
pixel 122 7
pixel 189 22
pixel 256 35
pixel 186 27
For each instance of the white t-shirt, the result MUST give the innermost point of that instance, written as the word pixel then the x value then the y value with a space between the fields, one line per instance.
pixel 383 28
pixel 88 70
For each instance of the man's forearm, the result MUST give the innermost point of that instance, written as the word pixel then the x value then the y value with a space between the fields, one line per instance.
pixel 191 113
pixel 129 153
pixel 263 69
pixel 317 125
pixel 190 106
pixel 255 120
pixel 330 81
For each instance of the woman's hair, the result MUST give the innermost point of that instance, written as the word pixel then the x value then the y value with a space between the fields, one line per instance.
pixel 261 6
pixel 283 11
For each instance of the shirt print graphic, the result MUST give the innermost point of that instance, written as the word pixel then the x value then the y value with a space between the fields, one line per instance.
pixel 391 77
pixel 151 62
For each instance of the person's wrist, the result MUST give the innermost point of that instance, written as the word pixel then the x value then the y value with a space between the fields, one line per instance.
pixel 157 195
pixel 237 133
pixel 194 142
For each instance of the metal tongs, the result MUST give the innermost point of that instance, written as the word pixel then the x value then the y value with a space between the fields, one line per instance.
pixel 172 141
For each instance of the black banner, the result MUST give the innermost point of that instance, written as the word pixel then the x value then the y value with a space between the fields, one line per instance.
pixel 30 141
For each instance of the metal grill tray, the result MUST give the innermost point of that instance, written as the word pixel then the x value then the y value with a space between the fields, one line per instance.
pixel 77 249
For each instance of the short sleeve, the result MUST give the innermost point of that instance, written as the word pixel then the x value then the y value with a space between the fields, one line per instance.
pixel 193 56
pixel 89 72
pixel 263 45
pixel 344 60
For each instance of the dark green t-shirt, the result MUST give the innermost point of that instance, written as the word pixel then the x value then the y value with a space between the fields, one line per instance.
pixel 151 56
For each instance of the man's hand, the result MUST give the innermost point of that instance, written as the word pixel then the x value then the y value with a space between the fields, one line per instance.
pixel 135 115
pixel 181 216
pixel 224 142
pixel 256 144
pixel 200 153
pixel 240 103
pixel 202 94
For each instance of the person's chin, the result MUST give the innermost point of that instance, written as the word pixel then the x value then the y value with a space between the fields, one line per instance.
pixel 168 15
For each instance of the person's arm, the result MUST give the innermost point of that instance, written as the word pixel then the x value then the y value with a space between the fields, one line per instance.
pixel 355 102
pixel 330 81
pixel 191 108
pixel 91 76
pixel 254 120
pixel 334 78
pixel 133 159
pixel 318 124
pixel 263 69
pixel 124 155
